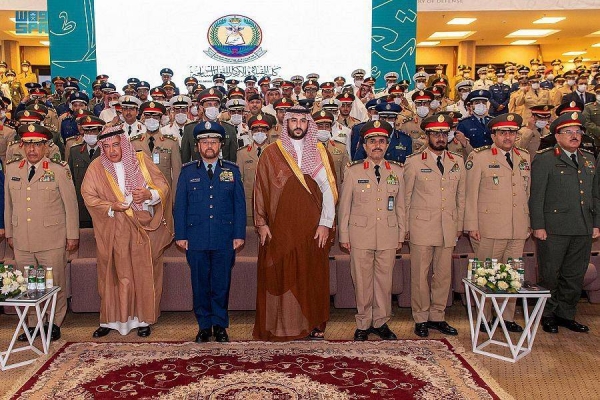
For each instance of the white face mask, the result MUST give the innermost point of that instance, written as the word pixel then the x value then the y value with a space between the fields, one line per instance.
pixel 466 75
pixel 581 88
pixel 236 119
pixel 10 78
pixel 374 117
pixel 180 118
pixel 398 100
pixel 420 85
pixel 152 124
pixel 211 113
pixel 259 137
pixel 541 124
pixel 422 111
pixel 219 84
pixel 597 100
pixel 164 120
pixel 482 76
pixel 463 96
pixel 190 88
pixel 323 135
pixel 2 113
pixel 194 110
pixel 480 109
pixel 113 103
pixel 571 82
pixel 91 140
pixel 358 82
pixel 25 69
pixel 550 77
pixel 500 80
pixel 535 86
pixel 435 104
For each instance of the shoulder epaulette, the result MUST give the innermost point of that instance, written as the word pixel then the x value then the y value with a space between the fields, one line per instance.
pixel 13 142
pixel 544 150
pixel 229 163
pixel 59 162
pixel 191 122
pixel 351 163
pixel 421 150
pixel 395 162
pixel 226 123
pixel 522 149
pixel 15 158
pixel 478 149
pixel 168 136
pixel 135 137
pixel 455 154
pixel 587 151
pixel 187 164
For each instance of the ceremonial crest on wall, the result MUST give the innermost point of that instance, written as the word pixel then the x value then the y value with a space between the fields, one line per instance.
pixel 234 39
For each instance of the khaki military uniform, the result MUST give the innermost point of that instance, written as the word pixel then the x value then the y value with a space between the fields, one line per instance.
pixel 51 120
pixel 435 206
pixel 340 159
pixel 455 146
pixel 15 150
pixel 165 155
pixel 348 121
pixel 530 99
pixel 26 77
pixel 40 216
pixel 497 206
pixel 17 92
pixel 371 219
pixel 247 160
pixel 413 129
pixel 274 133
pixel 591 116
pixel 557 94
pixel 530 139
pixel 7 134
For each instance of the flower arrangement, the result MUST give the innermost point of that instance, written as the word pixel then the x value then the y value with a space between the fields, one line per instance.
pixel 500 277
pixel 13 282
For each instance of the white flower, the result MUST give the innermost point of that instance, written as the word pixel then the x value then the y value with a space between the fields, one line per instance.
pixel 503 275
pixel 515 285
pixel 6 281
pixel 502 285
pixel 23 288
pixel 480 271
pixel 18 273
pixel 492 279
pixel 5 290
pixel 20 279
pixel 481 281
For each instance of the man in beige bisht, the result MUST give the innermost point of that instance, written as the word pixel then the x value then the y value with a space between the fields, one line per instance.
pixel 130 204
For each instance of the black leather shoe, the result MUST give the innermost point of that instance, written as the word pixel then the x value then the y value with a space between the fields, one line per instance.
pixel 360 335
pixel 144 331
pixel 512 326
pixel 384 332
pixel 443 327
pixel 204 335
pixel 55 334
pixel 549 325
pixel 421 329
pixel 572 325
pixel 482 326
pixel 23 338
pixel 101 332
pixel 220 334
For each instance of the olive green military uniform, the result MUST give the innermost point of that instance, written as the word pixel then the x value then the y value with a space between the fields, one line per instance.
pixel 591 116
pixel 79 161
pixel 229 146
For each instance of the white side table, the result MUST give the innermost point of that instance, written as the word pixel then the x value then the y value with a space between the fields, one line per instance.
pixel 22 303
pixel 499 301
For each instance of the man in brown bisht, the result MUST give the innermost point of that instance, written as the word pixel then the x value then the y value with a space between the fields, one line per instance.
pixel 294 211
pixel 130 204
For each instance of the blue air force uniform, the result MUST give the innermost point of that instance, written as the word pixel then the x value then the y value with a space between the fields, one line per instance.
pixel 399 148
pixel 475 127
pixel 210 214
pixel 499 95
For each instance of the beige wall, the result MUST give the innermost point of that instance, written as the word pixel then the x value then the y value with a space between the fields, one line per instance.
pixel 438 55
pixel 39 55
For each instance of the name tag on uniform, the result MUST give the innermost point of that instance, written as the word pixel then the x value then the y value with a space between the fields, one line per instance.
pixel 561 165
pixel 427 170
pixel 363 181
pixel 195 180
pixel 156 158
pixel 15 178
pixel 494 166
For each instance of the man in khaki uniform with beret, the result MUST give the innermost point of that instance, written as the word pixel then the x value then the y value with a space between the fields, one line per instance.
pixel 336 146
pixel 42 221
pixel 247 159
pixel 15 149
pixel 163 149
pixel 434 195
pixel 530 135
pixel 371 225
pixel 497 213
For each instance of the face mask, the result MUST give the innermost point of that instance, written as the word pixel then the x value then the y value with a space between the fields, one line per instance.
pixel 535 86
pixel 259 137
pixel 480 109
pixel 112 104
pixel 211 113
pixel 374 117
pixel 550 77
pixel 451 135
pixel 194 110
pixel 180 118
pixel 482 76
pixel 435 104
pixel 323 135
pixel 164 120
pixel 398 100
pixel 597 100
pixel 91 140
pixel 358 82
pixel 500 80
pixel 10 78
pixel 219 84
pixel 581 88
pixel 2 113
pixel 463 96
pixel 25 69
pixel 236 119
pixel 571 82
pixel 190 88
pixel 2 70
pixel 121 118
pixel 152 124
pixel 510 76
pixel 541 124
pixel 422 111
pixel 420 85
pixel 466 75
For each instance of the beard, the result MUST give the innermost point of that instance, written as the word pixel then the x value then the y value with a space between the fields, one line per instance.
pixel 297 133
pixel 437 145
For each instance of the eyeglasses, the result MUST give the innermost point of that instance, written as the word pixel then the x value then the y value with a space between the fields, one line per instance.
pixel 505 133
pixel 438 134
pixel 34 144
pixel 571 132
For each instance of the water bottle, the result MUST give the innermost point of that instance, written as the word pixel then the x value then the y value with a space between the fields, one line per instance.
pixel 470 269
pixel 510 263
pixel 41 279
pixel 32 278
pixel 488 263
pixel 521 270
pixel 26 273
pixel 49 278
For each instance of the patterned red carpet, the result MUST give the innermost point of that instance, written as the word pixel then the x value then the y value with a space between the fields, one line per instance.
pixel 403 369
